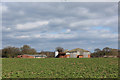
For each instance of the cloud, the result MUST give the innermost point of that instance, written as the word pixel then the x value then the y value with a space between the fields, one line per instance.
pixel 86 23
pixel 68 30
pixel 23 37
pixel 69 25
pixel 4 8
pixel 56 36
pixel 6 29
pixel 21 12
pixel 31 25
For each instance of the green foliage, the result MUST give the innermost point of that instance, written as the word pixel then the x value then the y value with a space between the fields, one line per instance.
pixel 28 50
pixel 105 52
pixel 10 52
pixel 60 68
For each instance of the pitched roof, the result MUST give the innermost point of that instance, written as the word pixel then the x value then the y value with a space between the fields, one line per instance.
pixel 77 49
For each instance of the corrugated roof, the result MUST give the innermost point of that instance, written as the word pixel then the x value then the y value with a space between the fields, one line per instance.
pixel 77 49
pixel 35 55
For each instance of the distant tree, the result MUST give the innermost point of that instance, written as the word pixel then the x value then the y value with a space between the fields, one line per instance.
pixel 92 55
pixel 0 52
pixel 27 50
pixel 97 50
pixel 114 52
pixel 98 53
pixel 48 54
pixel 10 52
pixel 107 51
pixel 59 49
pixel 32 51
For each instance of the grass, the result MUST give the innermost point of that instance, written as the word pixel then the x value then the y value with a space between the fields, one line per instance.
pixel 60 68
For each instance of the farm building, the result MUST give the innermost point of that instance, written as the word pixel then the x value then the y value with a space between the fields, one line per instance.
pixel 61 55
pixel 31 56
pixel 75 53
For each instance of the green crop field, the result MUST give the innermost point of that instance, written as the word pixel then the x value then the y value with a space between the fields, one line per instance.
pixel 60 68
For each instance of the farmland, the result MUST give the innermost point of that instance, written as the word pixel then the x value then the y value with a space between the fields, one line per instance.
pixel 60 68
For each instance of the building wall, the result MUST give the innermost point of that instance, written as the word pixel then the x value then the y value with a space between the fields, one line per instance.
pixel 19 56
pixel 56 53
pixel 67 56
pixel 29 57
pixel 73 55
pixel 61 56
pixel 24 56
pixel 39 57
pixel 78 53
pixel 67 53
pixel 81 56
pixel 86 54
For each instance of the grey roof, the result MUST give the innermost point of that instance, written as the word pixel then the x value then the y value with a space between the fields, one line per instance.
pixel 37 55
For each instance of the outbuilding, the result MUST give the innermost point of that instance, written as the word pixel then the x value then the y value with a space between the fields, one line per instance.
pixel 31 56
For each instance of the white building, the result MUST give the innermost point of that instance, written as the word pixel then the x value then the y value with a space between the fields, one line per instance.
pixel 86 54
pixel 56 53
pixel 74 54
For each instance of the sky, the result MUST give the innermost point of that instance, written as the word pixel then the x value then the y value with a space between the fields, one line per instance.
pixel 47 25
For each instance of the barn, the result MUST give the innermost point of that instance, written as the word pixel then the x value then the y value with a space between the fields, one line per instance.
pixel 74 53
pixel 31 56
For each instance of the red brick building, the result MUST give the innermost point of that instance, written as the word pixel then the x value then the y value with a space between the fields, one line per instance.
pixel 31 56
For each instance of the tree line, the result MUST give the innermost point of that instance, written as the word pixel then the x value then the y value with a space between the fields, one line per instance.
pixel 105 52
pixel 12 52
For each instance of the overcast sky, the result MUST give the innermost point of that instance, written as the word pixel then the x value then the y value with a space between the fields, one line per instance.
pixel 45 26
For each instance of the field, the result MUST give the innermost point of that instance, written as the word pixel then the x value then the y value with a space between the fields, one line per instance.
pixel 60 68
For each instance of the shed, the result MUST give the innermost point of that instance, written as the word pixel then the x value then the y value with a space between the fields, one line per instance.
pixel 31 56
